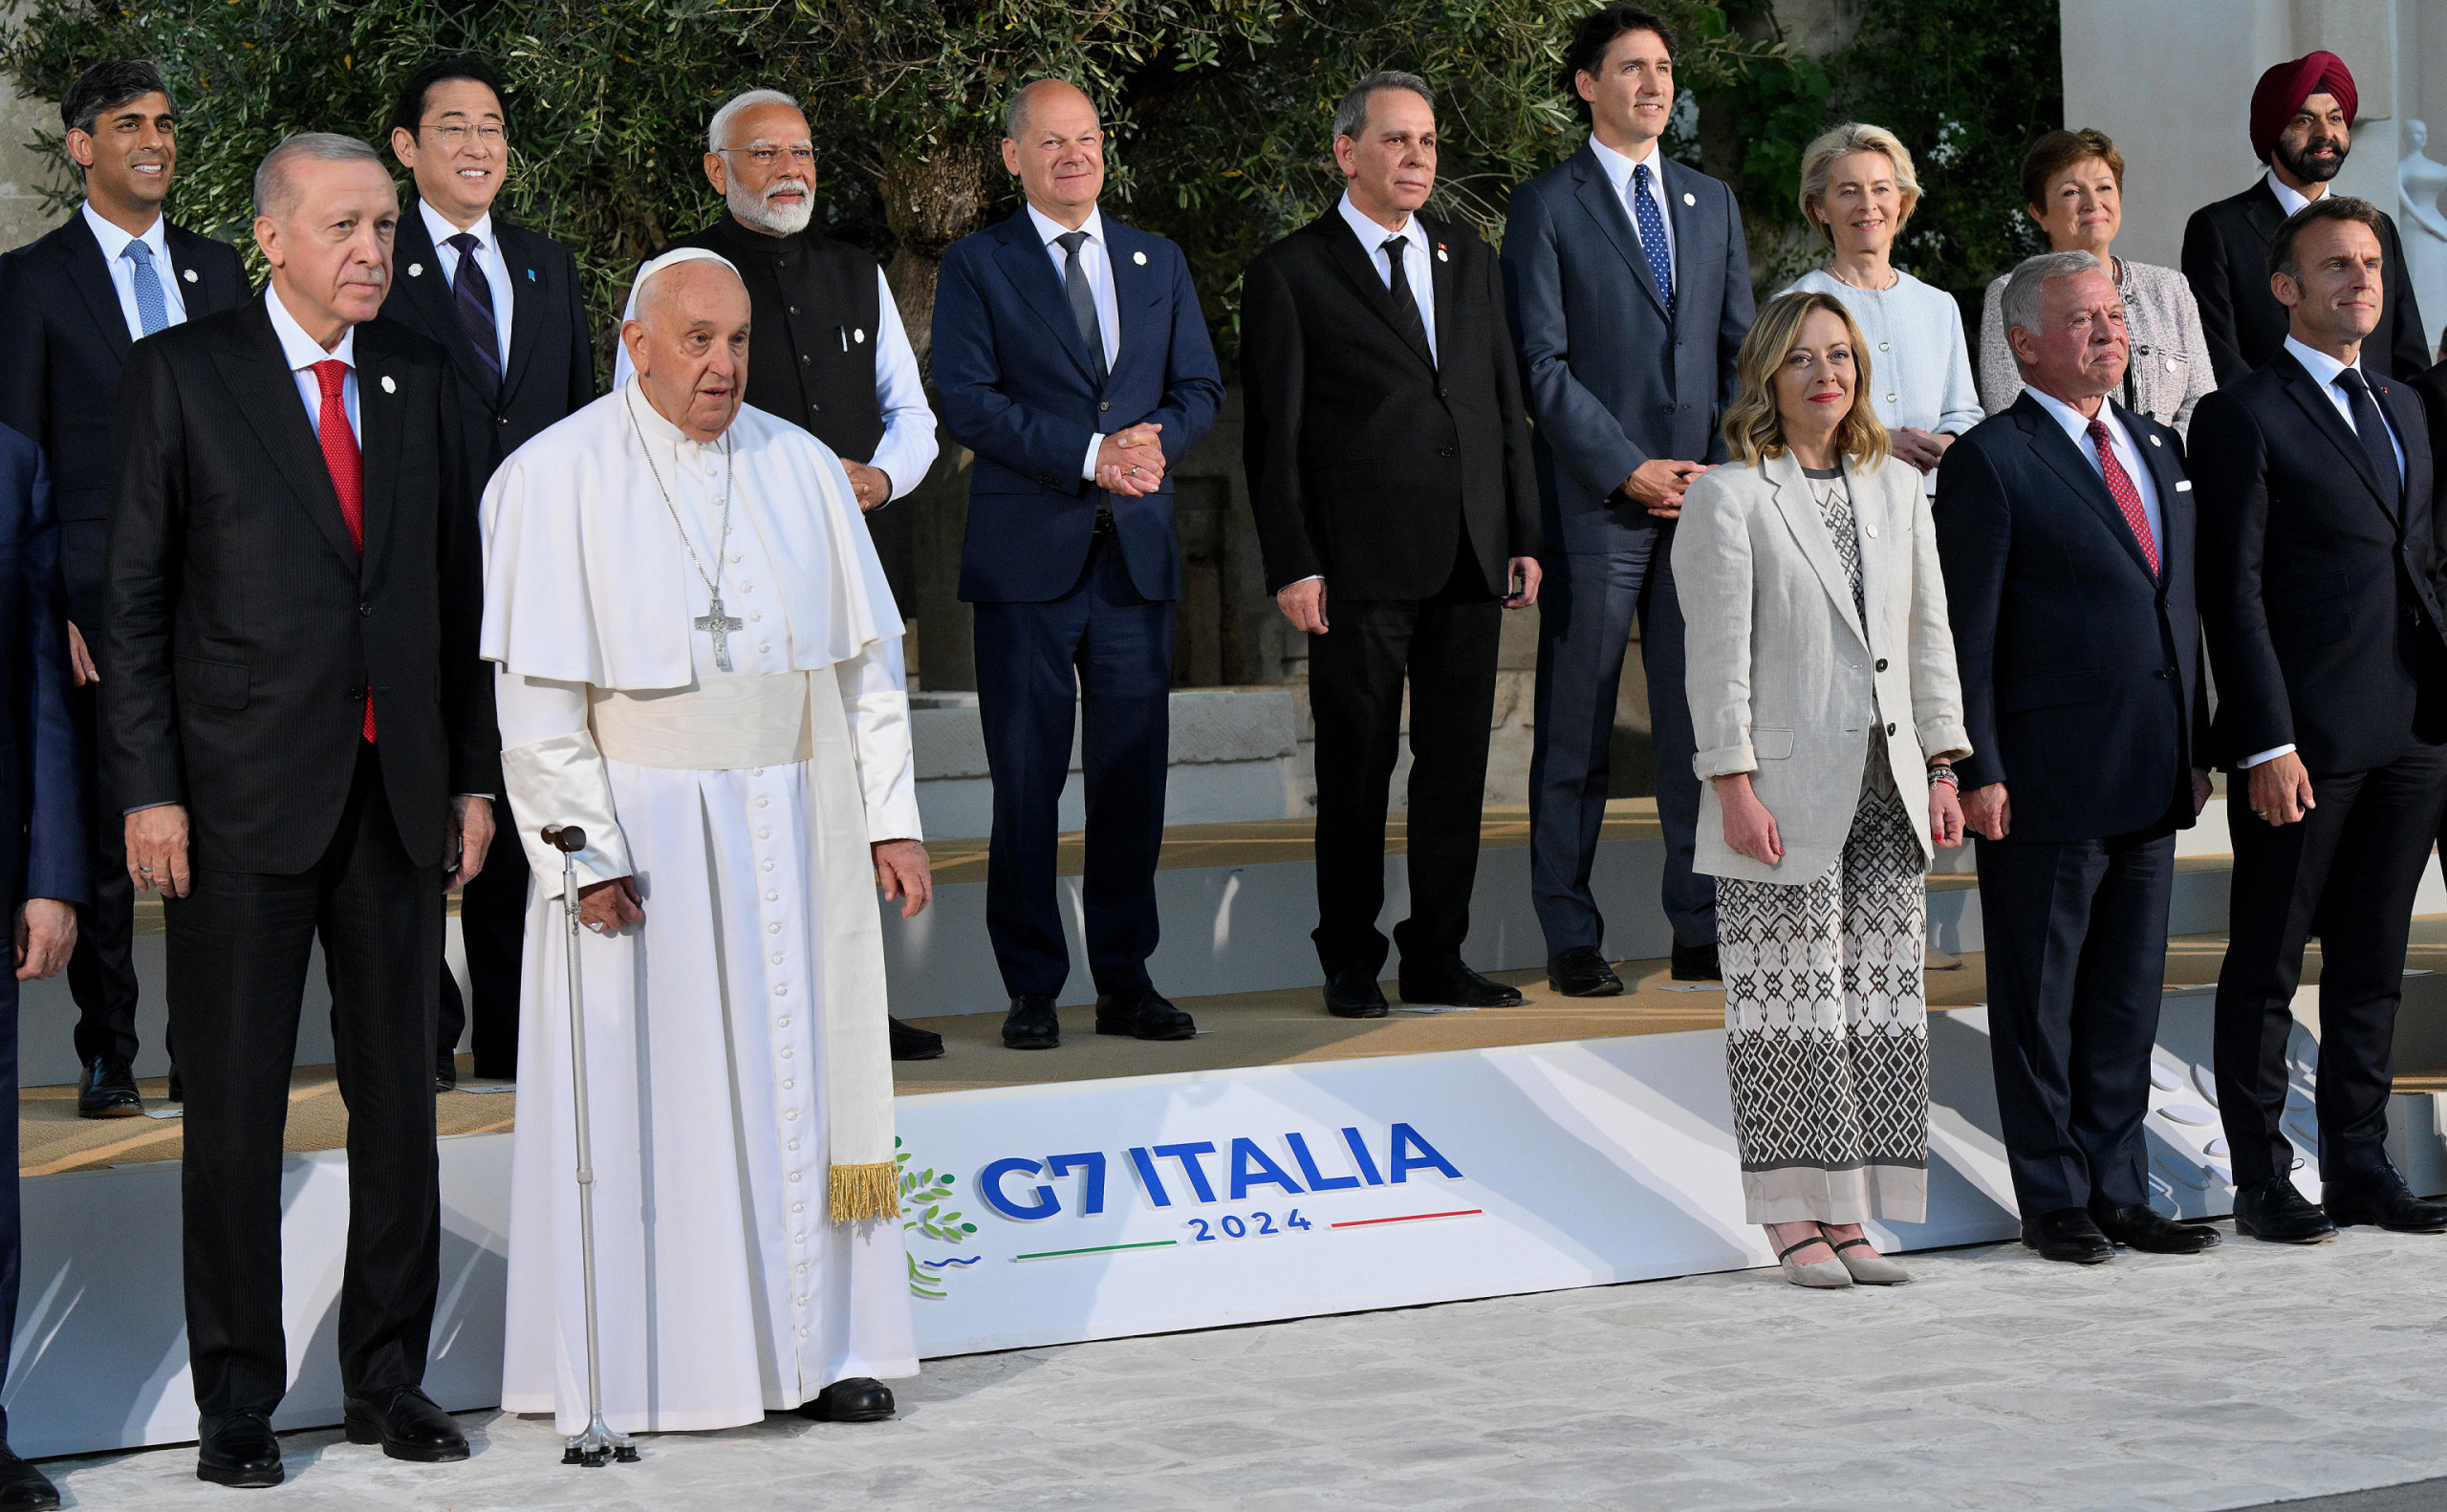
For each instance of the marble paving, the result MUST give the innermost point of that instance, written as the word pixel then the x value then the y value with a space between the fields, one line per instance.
pixel 2252 1375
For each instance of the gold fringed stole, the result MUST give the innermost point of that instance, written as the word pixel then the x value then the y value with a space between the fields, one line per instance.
pixel 856 1192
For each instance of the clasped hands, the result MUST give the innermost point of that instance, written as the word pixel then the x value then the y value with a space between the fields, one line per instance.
pixel 903 870
pixel 1130 461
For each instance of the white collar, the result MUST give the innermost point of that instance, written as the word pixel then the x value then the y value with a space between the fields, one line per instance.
pixel 1047 227
pixel 440 229
pixel 1371 235
pixel 115 240
pixel 2288 198
pixel 654 428
pixel 2322 368
pixel 2075 424
pixel 1618 165
pixel 299 350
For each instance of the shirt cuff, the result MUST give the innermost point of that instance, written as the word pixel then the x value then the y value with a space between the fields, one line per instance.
pixel 1088 468
pixel 168 803
pixel 2270 754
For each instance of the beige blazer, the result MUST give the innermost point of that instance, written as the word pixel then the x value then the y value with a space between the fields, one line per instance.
pixel 1785 681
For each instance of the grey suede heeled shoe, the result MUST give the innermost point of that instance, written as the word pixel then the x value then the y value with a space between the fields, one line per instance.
pixel 1824 1275
pixel 1871 1269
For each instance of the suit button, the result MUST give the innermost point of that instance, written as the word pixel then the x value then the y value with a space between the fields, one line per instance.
pixel 365 609
pixel 1890 730
pixel 805 360
pixel 1881 664
pixel 355 694
pixel 1448 451
pixel 816 409
pixel 1103 407
pixel 501 420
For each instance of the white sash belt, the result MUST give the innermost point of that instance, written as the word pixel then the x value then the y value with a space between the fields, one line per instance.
pixel 718 726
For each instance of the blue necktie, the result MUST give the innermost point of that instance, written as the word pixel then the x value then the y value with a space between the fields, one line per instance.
pixel 471 292
pixel 152 310
pixel 1651 223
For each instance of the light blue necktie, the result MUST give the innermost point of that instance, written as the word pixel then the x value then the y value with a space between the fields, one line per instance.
pixel 152 310
pixel 1651 223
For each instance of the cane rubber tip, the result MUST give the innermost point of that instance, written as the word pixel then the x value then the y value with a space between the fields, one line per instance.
pixel 565 837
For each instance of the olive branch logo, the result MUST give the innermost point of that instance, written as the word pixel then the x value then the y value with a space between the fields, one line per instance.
pixel 922 1196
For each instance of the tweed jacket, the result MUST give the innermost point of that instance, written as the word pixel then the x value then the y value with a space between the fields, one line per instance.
pixel 2170 370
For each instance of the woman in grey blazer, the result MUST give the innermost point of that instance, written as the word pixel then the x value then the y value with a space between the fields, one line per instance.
pixel 1821 676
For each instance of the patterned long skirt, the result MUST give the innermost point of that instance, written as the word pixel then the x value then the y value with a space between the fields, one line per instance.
pixel 1827 1036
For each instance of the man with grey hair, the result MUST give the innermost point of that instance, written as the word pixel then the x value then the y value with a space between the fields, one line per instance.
pixel 294 721
pixel 2065 526
pixel 1387 452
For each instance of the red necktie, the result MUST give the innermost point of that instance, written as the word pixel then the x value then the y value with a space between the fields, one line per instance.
pixel 347 467
pixel 2127 498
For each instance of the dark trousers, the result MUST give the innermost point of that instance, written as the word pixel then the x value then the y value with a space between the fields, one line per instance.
pixel 238 946
pixel 12 1249
pixel 493 925
pixel 101 973
pixel 2077 954
pixel 1446 648
pixel 2347 871
pixel 1586 607
pixel 1104 655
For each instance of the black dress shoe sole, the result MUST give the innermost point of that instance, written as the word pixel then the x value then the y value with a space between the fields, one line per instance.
pixel 2071 1257
pixel 2350 1219
pixel 872 1415
pixel 240 1477
pixel 1135 1033
pixel 1594 990
pixel 2198 1247
pixel 1359 1010
pixel 934 1054
pixel 2321 1238
pixel 1452 999
pixel 1010 1044
pixel 361 1432
pixel 127 1109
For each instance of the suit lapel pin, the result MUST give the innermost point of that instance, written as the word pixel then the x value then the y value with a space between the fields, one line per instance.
pixel 860 335
pixel 1141 258
pixel 1690 199
pixel 389 387
pixel 416 270
pixel 1440 253
pixel 531 276
pixel 190 275
pixel 2156 442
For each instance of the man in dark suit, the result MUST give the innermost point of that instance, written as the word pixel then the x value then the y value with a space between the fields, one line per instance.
pixel 1389 468
pixel 70 305
pixel 1071 355
pixel 2302 127
pixel 44 845
pixel 1630 293
pixel 519 340
pixel 2317 562
pixel 2066 529
pixel 297 723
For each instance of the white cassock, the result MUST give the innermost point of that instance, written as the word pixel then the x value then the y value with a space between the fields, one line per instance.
pixel 736 1040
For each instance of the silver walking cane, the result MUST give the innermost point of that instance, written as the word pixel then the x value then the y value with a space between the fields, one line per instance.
pixel 598 1445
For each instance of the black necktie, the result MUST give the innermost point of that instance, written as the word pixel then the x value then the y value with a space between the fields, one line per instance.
pixel 472 293
pixel 1405 304
pixel 2372 427
pixel 1083 299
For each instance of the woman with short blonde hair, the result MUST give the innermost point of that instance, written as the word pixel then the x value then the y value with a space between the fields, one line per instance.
pixel 1821 675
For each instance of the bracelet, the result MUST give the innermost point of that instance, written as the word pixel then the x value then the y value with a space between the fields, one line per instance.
pixel 1945 775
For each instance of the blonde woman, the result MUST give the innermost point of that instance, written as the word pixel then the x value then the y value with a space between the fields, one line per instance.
pixel 1858 189
pixel 1821 676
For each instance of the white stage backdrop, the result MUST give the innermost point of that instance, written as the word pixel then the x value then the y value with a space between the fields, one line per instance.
pixel 1086 1210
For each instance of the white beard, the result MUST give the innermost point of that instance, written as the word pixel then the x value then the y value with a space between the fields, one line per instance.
pixel 755 211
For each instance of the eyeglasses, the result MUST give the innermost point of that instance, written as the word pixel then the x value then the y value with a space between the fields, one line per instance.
pixel 765 157
pixel 454 135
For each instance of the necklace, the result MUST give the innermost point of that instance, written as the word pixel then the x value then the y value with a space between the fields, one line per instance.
pixel 713 621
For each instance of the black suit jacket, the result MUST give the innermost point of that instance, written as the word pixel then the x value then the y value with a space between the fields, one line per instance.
pixel 2311 572
pixel 1366 452
pixel 2081 669
pixel 63 340
pixel 2225 259
pixel 548 373
pixel 243 627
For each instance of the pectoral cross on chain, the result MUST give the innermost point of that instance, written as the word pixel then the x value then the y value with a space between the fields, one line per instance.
pixel 714 622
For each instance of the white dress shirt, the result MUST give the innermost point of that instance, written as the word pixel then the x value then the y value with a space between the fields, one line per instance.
pixel 301 351
pixel 1618 173
pixel 1415 265
pixel 908 445
pixel 1097 264
pixel 2288 198
pixel 123 271
pixel 488 257
pixel 2077 429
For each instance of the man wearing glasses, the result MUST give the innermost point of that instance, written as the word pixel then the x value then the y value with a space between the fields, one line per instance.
pixel 506 303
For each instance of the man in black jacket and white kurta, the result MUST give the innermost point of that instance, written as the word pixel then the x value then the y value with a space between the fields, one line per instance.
pixel 1389 463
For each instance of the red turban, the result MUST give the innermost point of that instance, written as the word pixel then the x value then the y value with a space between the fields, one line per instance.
pixel 2282 89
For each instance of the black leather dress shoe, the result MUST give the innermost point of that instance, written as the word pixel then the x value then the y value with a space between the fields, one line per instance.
pixel 241 1452
pixel 404 1421
pixel 2274 1211
pixel 1455 985
pixel 178 1092
pixel 1354 995
pixel 2069 1234
pixel 860 1399
pixel 2145 1229
pixel 912 1044
pixel 22 1488
pixel 1582 972
pixel 108 1090
pixel 1030 1025
pixel 445 1072
pixel 1697 963
pixel 1142 1013
pixel 2380 1197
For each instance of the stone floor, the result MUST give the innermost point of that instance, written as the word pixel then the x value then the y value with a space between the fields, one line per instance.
pixel 2249 1375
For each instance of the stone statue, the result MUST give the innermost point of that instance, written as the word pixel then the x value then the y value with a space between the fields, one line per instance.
pixel 2421 179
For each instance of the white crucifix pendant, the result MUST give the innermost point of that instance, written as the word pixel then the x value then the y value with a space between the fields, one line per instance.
pixel 714 622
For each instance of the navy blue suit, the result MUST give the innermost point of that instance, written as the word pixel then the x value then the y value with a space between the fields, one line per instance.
pixel 42 828
pixel 2082 691
pixel 1065 611
pixel 1615 379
